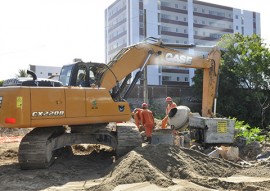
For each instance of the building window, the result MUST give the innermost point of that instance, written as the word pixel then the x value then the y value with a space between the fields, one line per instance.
pixel 195 9
pixel 211 13
pixel 215 35
pixel 166 78
pixel 164 16
pixel 195 21
pixel 203 22
pixel 49 74
pixel 165 4
pixel 221 25
pixel 185 31
pixel 176 18
pixel 221 14
pixel 203 10
pixel 236 27
pixel 165 28
pixel 184 7
pixel 176 6
pixel 177 79
pixel 185 19
pixel 186 79
pixel 236 16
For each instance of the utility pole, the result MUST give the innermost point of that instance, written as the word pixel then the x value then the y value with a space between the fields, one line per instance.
pixel 145 83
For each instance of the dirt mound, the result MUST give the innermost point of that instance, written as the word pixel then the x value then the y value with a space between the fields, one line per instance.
pixel 9 154
pixel 158 164
pixel 179 162
pixel 133 168
pixel 261 168
pixel 9 132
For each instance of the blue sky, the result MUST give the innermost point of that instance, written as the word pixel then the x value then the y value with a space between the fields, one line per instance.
pixel 54 32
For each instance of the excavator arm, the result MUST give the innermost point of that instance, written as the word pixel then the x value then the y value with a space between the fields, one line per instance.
pixel 138 56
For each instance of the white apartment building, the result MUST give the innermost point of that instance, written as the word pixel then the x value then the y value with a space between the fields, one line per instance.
pixel 46 71
pixel 173 21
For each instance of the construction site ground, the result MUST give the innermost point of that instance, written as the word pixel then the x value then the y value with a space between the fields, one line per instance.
pixel 151 167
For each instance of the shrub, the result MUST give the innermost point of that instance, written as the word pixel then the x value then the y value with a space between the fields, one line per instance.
pixel 250 133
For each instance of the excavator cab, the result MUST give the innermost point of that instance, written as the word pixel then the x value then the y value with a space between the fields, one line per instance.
pixel 83 74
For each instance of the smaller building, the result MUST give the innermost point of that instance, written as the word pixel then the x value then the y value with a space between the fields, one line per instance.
pixel 46 71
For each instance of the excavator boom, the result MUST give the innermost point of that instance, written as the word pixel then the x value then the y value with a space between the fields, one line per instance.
pixel 136 57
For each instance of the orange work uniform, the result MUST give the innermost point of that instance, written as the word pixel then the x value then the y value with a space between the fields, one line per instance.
pixel 168 109
pixel 137 117
pixel 147 119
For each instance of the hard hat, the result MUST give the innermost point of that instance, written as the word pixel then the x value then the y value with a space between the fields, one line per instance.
pixel 168 99
pixel 144 105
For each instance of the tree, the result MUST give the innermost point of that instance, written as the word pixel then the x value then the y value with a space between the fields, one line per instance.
pixel 244 79
pixel 22 73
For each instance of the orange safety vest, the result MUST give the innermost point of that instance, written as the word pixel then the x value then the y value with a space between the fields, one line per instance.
pixel 169 107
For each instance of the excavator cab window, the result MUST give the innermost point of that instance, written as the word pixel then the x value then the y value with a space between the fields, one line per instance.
pixel 65 75
pixel 91 77
pixel 82 77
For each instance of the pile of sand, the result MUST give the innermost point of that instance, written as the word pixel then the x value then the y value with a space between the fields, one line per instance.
pixel 159 164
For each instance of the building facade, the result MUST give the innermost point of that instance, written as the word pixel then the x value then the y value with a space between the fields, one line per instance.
pixel 46 71
pixel 173 21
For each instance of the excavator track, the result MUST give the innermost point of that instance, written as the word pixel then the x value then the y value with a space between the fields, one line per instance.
pixel 35 150
pixel 128 138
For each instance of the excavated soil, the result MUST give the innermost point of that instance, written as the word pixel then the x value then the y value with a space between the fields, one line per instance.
pixel 156 167
pixel 160 164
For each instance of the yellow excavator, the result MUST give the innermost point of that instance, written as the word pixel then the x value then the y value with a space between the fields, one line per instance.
pixel 90 96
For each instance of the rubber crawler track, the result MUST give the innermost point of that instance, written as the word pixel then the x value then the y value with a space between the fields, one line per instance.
pixel 35 150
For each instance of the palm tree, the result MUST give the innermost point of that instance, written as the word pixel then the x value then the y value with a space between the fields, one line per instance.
pixel 22 73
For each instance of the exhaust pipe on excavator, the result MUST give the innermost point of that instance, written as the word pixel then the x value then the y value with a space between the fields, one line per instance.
pixel 34 76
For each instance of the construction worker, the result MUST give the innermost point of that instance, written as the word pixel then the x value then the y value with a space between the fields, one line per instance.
pixel 170 105
pixel 137 118
pixel 147 119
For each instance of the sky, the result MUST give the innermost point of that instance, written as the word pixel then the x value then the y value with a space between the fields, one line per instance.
pixel 54 32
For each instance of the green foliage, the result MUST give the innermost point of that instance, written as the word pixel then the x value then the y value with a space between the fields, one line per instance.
pixel 244 79
pixel 246 58
pixel 157 109
pixel 250 133
pixel 22 73
pixel 1 82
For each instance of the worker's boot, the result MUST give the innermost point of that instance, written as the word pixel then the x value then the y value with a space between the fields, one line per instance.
pixel 148 140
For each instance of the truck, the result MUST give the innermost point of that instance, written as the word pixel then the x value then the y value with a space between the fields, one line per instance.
pixel 91 96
